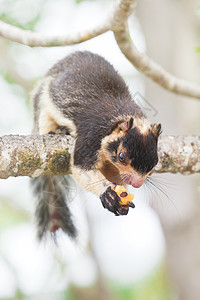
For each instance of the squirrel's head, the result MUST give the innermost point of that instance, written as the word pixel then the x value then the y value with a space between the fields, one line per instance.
pixel 130 151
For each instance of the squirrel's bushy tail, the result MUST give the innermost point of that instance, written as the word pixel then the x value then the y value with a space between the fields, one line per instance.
pixel 52 211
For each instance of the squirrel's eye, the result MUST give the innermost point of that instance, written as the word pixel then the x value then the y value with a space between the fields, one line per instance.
pixel 121 157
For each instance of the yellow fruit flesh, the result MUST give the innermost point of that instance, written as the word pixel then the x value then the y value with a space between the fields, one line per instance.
pixel 120 190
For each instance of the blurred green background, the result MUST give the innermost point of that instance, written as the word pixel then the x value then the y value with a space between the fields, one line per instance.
pixel 142 256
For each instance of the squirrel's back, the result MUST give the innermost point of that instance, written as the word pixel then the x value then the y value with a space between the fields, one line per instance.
pixel 87 95
pixel 87 82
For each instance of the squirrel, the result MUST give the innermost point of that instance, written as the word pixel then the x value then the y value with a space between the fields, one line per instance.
pixel 115 144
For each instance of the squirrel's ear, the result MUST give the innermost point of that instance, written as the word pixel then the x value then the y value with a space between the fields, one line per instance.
pixel 156 129
pixel 126 125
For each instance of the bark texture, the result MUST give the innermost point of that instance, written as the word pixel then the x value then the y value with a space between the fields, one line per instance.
pixel 50 155
pixel 34 155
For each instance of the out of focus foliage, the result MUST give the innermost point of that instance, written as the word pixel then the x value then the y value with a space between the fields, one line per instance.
pixel 17 70
pixel 16 13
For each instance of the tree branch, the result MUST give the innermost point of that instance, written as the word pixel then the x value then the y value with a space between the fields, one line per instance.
pixel 50 155
pixel 121 12
pixel 35 155
pixel 115 19
pixel 157 73
pixel 117 22
pixel 179 154
pixel 35 39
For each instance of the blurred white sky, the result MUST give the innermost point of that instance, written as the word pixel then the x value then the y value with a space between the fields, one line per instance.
pixel 128 248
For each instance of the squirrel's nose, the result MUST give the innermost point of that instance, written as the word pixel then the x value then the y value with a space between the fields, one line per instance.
pixel 137 180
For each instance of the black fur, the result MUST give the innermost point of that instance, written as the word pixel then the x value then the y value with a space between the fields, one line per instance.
pixel 89 91
pixel 110 200
pixel 141 149
pixel 113 146
pixel 51 192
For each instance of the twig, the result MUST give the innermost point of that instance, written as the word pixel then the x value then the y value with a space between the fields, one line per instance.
pixel 118 16
pixel 34 39
pixel 157 73
pixel 117 22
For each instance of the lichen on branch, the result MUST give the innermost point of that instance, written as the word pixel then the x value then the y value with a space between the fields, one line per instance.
pixel 36 155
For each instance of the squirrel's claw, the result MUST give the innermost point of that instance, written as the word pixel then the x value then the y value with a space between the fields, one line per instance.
pixel 131 204
pixel 110 200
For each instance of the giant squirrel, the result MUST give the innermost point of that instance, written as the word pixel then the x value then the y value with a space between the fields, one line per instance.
pixel 115 144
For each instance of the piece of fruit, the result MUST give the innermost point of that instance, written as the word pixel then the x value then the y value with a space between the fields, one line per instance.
pixel 125 198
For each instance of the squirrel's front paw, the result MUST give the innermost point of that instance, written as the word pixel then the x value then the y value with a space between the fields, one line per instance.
pixel 111 201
